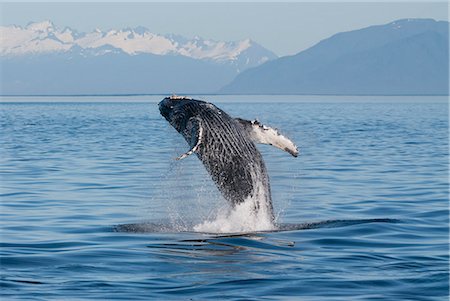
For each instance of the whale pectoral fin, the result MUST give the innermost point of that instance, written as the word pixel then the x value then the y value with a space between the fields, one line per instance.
pixel 260 133
pixel 186 154
pixel 195 129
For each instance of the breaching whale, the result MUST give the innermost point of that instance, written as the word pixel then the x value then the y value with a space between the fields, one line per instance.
pixel 226 147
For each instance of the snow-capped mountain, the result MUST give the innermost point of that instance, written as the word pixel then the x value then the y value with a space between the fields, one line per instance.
pixel 41 58
pixel 46 38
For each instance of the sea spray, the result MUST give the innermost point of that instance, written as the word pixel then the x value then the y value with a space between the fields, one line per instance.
pixel 194 203
pixel 242 217
pixel 189 195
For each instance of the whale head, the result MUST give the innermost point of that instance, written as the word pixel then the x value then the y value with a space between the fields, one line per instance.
pixel 173 109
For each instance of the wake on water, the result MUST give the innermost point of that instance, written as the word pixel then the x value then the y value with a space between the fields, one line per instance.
pixel 225 220
pixel 240 220
pixel 164 227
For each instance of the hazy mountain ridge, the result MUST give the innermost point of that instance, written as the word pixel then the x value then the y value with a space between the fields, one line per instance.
pixel 43 59
pixel 45 37
pixel 403 57
pixel 111 73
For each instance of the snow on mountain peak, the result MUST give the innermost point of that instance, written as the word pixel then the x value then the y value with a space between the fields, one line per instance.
pixel 35 38
pixel 41 26
pixel 45 37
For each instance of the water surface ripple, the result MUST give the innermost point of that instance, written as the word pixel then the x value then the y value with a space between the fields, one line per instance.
pixel 93 206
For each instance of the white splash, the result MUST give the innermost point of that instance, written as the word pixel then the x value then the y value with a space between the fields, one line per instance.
pixel 241 218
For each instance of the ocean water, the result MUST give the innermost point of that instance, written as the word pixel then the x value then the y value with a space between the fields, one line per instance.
pixel 94 206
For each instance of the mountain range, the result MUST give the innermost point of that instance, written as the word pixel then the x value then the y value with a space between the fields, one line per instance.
pixel 404 57
pixel 41 58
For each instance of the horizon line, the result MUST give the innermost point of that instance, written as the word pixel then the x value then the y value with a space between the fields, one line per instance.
pixel 208 94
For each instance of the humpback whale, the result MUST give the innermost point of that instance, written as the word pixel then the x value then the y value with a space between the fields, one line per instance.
pixel 226 147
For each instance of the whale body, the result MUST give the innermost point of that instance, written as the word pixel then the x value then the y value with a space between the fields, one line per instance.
pixel 226 147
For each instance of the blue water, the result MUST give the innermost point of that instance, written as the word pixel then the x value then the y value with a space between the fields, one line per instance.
pixel 94 206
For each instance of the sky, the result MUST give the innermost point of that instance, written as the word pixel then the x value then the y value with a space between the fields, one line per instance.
pixel 285 28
